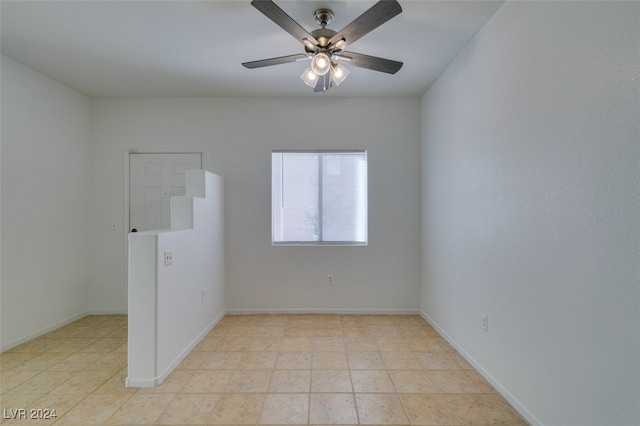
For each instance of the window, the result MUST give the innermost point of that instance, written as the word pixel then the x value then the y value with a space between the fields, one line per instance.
pixel 319 197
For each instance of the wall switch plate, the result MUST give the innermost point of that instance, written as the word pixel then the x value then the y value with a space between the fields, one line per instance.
pixel 330 279
pixel 485 322
pixel 203 292
pixel 168 258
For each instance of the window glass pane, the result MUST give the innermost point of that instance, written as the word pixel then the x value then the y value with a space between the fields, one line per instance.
pixel 319 197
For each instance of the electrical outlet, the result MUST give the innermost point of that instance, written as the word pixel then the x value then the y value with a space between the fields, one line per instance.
pixel 114 227
pixel 168 258
pixel 485 322
pixel 330 279
pixel 203 292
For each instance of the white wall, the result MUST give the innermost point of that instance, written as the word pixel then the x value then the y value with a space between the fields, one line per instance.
pixel 45 183
pixel 236 137
pixel 531 177
pixel 168 311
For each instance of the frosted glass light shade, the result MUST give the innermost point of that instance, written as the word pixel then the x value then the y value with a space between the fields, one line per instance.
pixel 339 73
pixel 321 63
pixel 309 77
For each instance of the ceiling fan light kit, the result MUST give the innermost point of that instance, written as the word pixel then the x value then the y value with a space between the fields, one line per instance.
pixel 325 47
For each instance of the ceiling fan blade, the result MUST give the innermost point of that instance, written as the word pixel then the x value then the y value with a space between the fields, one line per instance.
pixel 375 16
pixel 372 62
pixel 286 22
pixel 274 61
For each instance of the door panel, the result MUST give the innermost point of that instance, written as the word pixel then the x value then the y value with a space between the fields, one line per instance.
pixel 153 180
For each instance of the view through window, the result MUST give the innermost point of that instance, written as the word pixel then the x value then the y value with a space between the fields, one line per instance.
pixel 319 197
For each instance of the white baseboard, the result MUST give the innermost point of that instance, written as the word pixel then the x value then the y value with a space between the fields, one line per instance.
pixel 108 312
pixel 515 403
pixel 43 331
pixel 324 311
pixel 151 383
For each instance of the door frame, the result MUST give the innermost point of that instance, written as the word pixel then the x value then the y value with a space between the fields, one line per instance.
pixel 126 213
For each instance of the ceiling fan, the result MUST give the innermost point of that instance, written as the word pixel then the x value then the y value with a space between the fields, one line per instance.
pixel 325 47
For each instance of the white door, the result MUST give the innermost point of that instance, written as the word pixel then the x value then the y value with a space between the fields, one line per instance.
pixel 153 180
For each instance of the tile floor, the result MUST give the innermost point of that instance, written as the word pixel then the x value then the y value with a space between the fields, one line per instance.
pixel 255 369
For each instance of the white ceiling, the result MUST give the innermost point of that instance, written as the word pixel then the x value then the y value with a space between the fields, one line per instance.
pixel 195 48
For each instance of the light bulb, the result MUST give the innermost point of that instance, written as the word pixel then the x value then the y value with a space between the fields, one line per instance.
pixel 321 63
pixel 339 73
pixel 309 77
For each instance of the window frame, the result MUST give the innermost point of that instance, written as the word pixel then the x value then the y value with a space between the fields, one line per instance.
pixel 366 192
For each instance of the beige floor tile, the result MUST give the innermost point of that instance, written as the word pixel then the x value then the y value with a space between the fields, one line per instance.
pixel 43 382
pixel 285 409
pixel 208 344
pixel 328 331
pixel 269 331
pixel 476 409
pixel 383 331
pixel 83 382
pixel 11 401
pixel 329 360
pixel 174 383
pixel 116 384
pixel 94 409
pixel 106 344
pixel 265 344
pixel 77 362
pixel 400 361
pixel 428 409
pixel 49 408
pixel 222 360
pixel 459 359
pixel 328 344
pixel 453 382
pixel 330 381
pixel 290 381
pixel 141 409
pixel 407 381
pixel 423 344
pixel 360 344
pixel 479 381
pixel 189 409
pixel 242 330
pixel 249 381
pixel 73 344
pixel 193 361
pixel 113 361
pixel 391 344
pixel 13 378
pixel 39 345
pixel 234 344
pixel 258 360
pixel 381 409
pixel 370 381
pixel 208 381
pixel 236 409
pixel 294 360
pixel 40 361
pixel 9 360
pixel 332 408
pixel 385 369
pixel 413 331
pixel 436 361
pixel 299 331
pixel 365 360
pixel 296 344
pixel 354 331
